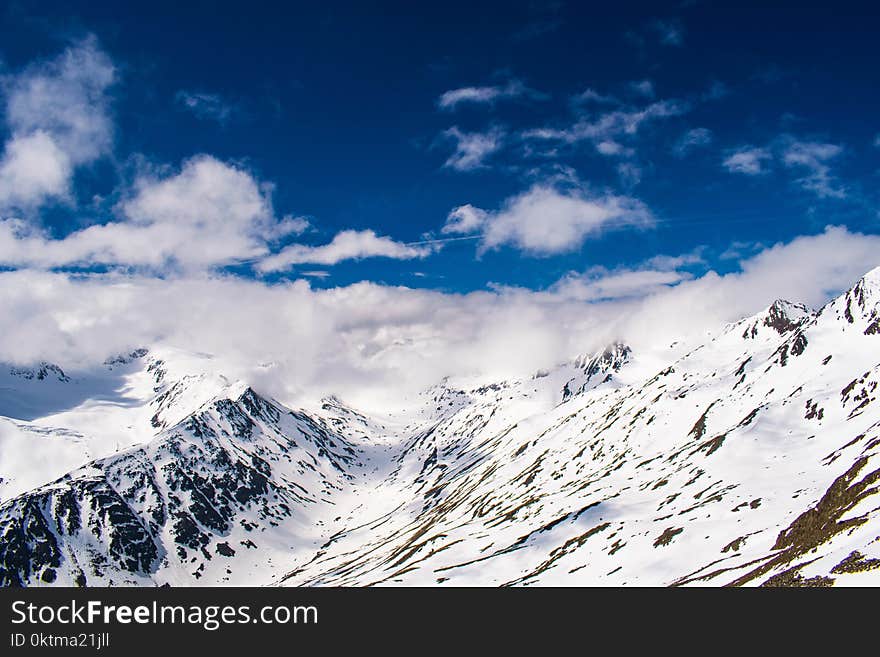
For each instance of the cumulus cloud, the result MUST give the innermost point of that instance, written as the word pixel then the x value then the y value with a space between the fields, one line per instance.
pixel 464 220
pixel 206 106
pixel 486 95
pixel 546 219
pixel 32 168
pixel 346 245
pixel 58 117
pixel 372 343
pixel 208 214
pixel 472 148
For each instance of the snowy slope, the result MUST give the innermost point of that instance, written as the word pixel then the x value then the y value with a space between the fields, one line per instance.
pixel 749 459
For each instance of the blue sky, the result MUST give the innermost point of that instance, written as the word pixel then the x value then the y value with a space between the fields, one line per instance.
pixel 578 138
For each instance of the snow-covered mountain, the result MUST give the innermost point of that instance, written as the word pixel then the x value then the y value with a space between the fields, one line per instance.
pixel 751 458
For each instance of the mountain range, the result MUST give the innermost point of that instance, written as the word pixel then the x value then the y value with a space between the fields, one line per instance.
pixel 749 457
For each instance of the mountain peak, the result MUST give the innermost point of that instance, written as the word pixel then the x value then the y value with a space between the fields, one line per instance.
pixel 125 359
pixel 860 305
pixel 782 316
pixel 597 368
pixel 40 372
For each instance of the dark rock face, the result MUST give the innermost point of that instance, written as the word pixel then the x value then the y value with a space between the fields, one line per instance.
pixel 40 373
pixel 782 316
pixel 124 359
pixel 599 368
pixel 220 469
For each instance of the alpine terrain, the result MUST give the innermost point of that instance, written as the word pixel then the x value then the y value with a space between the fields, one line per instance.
pixel 751 457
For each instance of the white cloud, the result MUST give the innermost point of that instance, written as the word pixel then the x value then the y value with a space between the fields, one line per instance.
pixel 371 343
pixel 288 226
pixel 610 147
pixel 545 220
pixel 836 257
pixel 472 148
pixel 813 157
pixel 691 140
pixel 206 106
pixel 464 220
pixel 32 168
pixel 600 283
pixel 748 160
pixel 667 263
pixel 810 157
pixel 346 245
pixel 611 125
pixel 486 95
pixel 58 116
pixel 208 214
pixel 67 98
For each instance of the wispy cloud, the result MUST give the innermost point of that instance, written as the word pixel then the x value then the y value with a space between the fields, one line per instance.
pixel 669 32
pixel 643 88
pixel 346 245
pixel 212 107
pixel 748 160
pixel 716 91
pixel 630 173
pixel 546 18
pixel 663 32
pixel 486 95
pixel 589 96
pixel 692 140
pixel 811 158
pixel 610 125
pixel 472 148
pixel 602 284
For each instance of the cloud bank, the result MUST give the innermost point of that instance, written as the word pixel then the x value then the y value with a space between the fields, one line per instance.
pixel 375 344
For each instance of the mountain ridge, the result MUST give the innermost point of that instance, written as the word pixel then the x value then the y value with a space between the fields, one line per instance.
pixel 750 459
